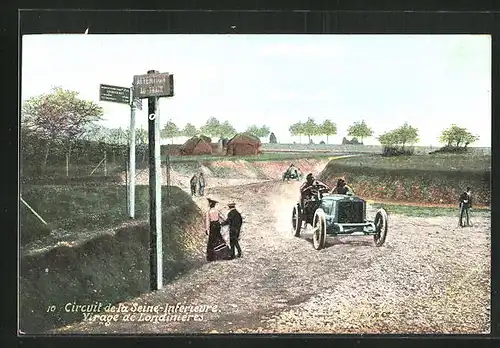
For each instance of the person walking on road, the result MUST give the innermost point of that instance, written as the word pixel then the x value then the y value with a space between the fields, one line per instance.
pixel 234 221
pixel 194 183
pixel 201 184
pixel 217 248
pixel 465 206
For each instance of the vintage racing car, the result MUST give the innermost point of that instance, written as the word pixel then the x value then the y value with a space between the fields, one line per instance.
pixel 335 215
pixel 292 173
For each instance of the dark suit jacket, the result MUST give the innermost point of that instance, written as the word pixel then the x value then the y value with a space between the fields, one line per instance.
pixel 234 220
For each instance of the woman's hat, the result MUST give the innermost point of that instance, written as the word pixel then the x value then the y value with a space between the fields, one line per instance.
pixel 210 200
pixel 231 205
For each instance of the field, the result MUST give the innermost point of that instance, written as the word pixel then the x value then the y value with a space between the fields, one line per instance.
pixel 366 149
pixel 426 179
pixel 91 251
pixel 264 157
pixel 432 162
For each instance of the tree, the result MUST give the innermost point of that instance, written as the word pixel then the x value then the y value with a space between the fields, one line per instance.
pixel 297 129
pixel 359 130
pixel 394 141
pixel 59 116
pixel 225 130
pixel 328 128
pixel 407 135
pixel 310 128
pixel 253 129
pixel 210 127
pixel 189 130
pixel 260 132
pixel 170 131
pixel 457 137
pixel 264 131
pixel 117 137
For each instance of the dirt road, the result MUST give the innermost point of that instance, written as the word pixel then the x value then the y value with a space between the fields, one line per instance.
pixel 429 277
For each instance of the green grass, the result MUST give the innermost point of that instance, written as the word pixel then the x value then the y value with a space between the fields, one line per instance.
pixel 435 162
pixel 77 209
pixel 416 211
pixel 30 170
pixel 267 156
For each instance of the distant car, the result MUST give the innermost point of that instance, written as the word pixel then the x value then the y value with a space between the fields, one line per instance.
pixel 292 174
pixel 334 215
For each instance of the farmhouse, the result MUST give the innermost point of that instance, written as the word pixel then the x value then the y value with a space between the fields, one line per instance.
pixel 243 144
pixel 196 146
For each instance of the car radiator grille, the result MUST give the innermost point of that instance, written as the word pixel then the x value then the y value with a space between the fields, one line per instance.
pixel 351 212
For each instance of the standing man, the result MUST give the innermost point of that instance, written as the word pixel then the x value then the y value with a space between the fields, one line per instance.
pixel 193 182
pixel 201 184
pixel 465 206
pixel 234 221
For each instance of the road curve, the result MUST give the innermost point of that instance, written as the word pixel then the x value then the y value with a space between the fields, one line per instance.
pixel 429 277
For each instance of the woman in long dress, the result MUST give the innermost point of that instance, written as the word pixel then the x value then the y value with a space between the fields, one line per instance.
pixel 217 248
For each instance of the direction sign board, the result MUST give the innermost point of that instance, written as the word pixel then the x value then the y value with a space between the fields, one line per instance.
pixel 114 94
pixel 152 85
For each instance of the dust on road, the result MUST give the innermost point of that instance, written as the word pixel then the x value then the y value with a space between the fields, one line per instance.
pixel 429 277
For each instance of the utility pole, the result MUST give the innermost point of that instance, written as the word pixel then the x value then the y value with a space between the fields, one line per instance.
pixel 154 85
pixel 156 247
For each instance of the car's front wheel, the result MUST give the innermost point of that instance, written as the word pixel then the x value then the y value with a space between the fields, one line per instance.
pixel 319 229
pixel 381 227
pixel 296 221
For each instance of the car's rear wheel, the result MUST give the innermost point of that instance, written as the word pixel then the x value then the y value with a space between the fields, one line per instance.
pixel 381 227
pixel 296 221
pixel 319 229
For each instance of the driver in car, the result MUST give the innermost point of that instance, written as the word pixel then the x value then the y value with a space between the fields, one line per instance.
pixel 306 188
pixel 291 170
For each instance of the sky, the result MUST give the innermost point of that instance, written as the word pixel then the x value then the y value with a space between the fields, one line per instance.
pixel 429 81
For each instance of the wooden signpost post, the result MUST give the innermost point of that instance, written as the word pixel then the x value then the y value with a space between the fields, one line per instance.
pixel 153 86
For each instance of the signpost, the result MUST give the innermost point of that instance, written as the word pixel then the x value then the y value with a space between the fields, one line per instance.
pixel 152 86
pixel 114 94
pixel 123 95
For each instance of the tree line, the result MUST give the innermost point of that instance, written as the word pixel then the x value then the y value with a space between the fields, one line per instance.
pixel 212 128
pixel 328 128
pixel 60 120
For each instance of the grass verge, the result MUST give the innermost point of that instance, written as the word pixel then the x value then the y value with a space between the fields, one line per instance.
pixel 426 179
pixel 429 162
pixel 266 156
pixel 105 266
pixel 424 211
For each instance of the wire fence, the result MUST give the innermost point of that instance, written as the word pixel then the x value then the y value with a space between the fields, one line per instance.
pixel 81 187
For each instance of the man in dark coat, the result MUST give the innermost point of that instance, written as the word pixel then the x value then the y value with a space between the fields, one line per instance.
pixel 306 188
pixel 234 220
pixel 465 206
pixel 194 183
pixel 306 191
pixel 201 184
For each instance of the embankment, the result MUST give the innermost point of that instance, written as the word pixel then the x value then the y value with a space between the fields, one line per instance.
pixel 420 186
pixel 224 172
pixel 110 267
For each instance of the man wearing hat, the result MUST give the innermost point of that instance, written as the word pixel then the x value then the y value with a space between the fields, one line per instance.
pixel 234 221
pixel 193 182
